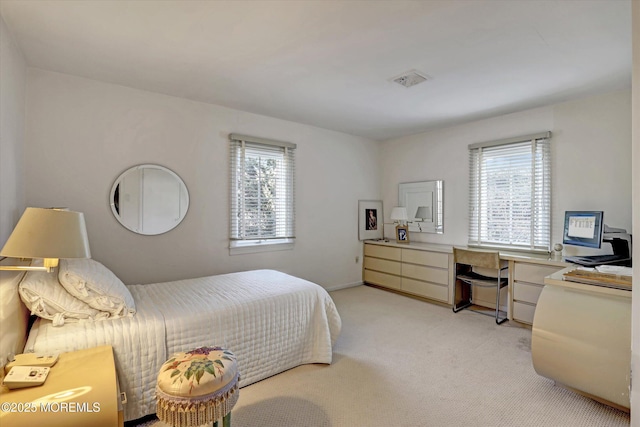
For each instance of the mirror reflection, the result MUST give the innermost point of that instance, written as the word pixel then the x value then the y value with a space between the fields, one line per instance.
pixel 423 201
pixel 149 199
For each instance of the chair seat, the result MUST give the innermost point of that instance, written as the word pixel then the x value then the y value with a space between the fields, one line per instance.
pixel 480 280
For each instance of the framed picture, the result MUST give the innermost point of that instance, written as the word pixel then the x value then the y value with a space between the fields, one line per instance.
pixel 370 219
pixel 402 234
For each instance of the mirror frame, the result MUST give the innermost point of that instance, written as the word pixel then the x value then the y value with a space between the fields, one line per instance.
pixel 412 195
pixel 115 188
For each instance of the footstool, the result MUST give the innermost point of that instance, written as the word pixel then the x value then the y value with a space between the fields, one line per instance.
pixel 198 387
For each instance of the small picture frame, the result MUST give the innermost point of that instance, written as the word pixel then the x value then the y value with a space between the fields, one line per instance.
pixel 402 234
pixel 370 219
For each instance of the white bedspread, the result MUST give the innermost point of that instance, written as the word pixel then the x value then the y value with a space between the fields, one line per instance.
pixel 271 321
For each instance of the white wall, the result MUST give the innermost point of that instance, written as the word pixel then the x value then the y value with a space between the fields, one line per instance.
pixel 591 163
pixel 81 134
pixel 12 101
pixel 635 322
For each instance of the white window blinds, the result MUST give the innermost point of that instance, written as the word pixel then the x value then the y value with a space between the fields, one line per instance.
pixel 510 193
pixel 262 190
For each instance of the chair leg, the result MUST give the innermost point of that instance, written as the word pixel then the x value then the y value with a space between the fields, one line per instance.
pixel 465 299
pixel 499 321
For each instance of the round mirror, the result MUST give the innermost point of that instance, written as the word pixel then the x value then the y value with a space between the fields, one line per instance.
pixel 149 199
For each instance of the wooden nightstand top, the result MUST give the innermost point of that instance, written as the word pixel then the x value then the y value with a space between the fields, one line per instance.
pixel 81 390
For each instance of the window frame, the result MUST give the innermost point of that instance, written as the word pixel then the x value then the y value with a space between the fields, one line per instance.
pixel 539 204
pixel 242 147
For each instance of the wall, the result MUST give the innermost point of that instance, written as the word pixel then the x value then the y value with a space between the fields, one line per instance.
pixel 591 163
pixel 12 102
pixel 81 134
pixel 635 316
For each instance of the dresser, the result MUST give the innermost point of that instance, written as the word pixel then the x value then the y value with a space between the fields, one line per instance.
pixel 418 269
pixel 526 281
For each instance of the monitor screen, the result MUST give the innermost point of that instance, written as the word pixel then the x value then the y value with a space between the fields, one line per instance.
pixel 583 228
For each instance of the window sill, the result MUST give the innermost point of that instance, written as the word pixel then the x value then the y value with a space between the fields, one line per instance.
pixel 256 246
pixel 505 248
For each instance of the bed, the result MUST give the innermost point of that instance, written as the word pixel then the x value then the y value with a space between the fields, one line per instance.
pixel 272 322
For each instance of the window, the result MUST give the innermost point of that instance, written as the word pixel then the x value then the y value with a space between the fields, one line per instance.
pixel 262 194
pixel 510 193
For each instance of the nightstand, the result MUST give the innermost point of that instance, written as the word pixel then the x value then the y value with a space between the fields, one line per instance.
pixel 81 390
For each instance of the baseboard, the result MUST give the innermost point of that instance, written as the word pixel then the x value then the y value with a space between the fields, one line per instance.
pixel 344 286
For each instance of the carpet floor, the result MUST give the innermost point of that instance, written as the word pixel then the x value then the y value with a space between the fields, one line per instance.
pixel 405 362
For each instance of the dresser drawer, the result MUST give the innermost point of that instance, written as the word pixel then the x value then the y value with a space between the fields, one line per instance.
pixel 433 259
pixel 532 273
pixel 526 292
pixel 523 312
pixel 382 265
pixel 382 252
pixel 424 289
pixel 382 279
pixel 427 274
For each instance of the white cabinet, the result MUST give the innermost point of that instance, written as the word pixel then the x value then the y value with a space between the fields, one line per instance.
pixel 582 338
pixel 528 281
pixel 413 270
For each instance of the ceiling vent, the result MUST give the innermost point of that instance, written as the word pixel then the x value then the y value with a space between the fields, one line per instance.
pixel 411 78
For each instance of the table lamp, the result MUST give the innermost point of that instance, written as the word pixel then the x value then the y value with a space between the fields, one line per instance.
pixel 399 215
pixel 423 214
pixel 49 234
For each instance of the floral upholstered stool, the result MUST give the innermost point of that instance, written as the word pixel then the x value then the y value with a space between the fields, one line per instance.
pixel 198 387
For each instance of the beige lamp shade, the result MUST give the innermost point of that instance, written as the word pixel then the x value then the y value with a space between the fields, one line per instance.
pixel 50 234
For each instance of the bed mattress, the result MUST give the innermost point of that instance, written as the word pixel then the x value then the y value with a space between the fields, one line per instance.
pixel 270 320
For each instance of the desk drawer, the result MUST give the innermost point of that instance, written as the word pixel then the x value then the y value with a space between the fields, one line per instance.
pixel 523 312
pixel 424 289
pixel 379 251
pixel 526 292
pixel 433 259
pixel 382 265
pixel 532 273
pixel 382 279
pixel 427 274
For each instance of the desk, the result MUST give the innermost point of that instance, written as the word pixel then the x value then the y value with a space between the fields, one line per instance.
pixel 426 270
pixel 81 390
pixel 581 338
pixel 526 281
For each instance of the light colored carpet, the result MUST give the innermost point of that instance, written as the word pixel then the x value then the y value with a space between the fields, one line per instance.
pixel 404 362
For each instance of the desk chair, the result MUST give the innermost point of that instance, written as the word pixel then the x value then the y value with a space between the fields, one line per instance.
pixel 478 268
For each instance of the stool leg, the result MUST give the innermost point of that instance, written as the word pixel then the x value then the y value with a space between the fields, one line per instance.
pixel 226 421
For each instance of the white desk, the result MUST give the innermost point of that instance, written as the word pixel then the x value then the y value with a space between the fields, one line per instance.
pixel 581 338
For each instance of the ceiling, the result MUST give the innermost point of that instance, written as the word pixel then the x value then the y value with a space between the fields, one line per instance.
pixel 330 63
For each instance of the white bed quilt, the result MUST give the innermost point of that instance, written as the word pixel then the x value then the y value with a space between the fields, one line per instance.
pixel 270 320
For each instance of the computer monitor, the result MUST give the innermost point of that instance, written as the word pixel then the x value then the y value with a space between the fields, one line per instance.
pixel 583 228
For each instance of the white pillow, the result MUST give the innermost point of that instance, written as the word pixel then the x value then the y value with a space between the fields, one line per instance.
pixel 95 284
pixel 45 297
